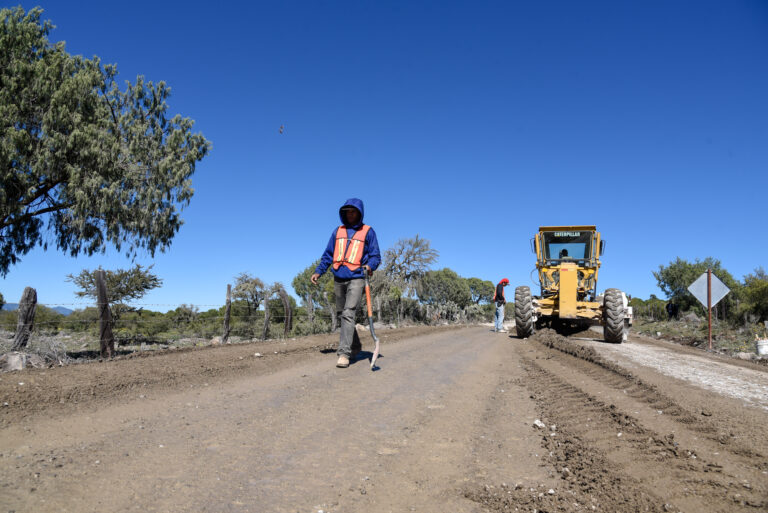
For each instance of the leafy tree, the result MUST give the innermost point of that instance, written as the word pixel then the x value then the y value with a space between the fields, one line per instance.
pixel 279 308
pixel 2 301
pixel 675 278
pixel 755 294
pixel 444 286
pixel 482 290
pixel 395 298
pixel 9 319
pixel 407 260
pixel 97 164
pixel 144 324
pixel 652 308
pixel 403 264
pixel 185 314
pixel 318 295
pixel 288 304
pixel 382 293
pixel 303 286
pixel 305 289
pixel 83 320
pixel 47 319
pixel 249 289
pixel 123 285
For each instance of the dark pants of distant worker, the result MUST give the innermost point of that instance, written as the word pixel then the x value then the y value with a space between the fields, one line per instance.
pixel 348 295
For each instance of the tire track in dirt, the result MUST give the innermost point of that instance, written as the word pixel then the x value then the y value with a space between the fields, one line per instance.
pixel 614 452
pixel 656 463
pixel 695 472
pixel 589 480
pixel 588 361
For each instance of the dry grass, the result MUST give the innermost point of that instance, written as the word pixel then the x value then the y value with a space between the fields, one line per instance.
pixel 725 337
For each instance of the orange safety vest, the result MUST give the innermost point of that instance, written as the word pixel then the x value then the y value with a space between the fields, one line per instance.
pixel 349 252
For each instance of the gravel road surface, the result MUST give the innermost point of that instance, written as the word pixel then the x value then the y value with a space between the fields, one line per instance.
pixel 446 424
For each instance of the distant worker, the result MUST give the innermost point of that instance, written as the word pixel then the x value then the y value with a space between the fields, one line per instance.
pixel 563 253
pixel 500 301
pixel 351 251
pixel 672 310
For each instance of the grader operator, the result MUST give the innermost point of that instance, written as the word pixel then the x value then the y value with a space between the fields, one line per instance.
pixel 567 260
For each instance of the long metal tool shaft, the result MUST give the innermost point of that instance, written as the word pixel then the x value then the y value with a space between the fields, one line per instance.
pixel 370 321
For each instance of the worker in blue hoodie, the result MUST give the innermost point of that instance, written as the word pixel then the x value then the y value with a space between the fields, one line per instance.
pixel 352 251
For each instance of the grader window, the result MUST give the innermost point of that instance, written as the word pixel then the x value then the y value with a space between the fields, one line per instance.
pixel 565 246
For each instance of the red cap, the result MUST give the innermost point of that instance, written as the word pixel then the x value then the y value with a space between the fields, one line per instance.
pixel 504 280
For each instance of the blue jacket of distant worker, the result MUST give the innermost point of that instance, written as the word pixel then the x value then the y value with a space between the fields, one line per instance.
pixel 371 254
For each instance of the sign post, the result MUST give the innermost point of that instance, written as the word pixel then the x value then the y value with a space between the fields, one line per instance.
pixel 709 305
pixel 709 290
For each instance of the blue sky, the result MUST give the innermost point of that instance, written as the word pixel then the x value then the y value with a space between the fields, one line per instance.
pixel 469 123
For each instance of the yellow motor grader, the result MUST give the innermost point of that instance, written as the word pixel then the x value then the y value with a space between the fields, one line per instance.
pixel 567 260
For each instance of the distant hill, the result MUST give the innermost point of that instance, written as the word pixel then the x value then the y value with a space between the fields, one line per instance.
pixel 59 309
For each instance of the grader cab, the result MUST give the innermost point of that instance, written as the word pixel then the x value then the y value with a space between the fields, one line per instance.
pixel 567 261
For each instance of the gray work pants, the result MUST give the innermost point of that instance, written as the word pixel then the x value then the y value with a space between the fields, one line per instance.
pixel 348 295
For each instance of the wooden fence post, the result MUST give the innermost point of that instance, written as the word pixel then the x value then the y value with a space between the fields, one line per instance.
pixel 106 338
pixel 27 307
pixel 227 311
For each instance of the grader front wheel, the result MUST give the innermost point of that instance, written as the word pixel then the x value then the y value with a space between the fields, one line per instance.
pixel 613 316
pixel 523 312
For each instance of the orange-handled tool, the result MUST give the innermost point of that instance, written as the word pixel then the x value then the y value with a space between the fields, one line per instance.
pixel 370 320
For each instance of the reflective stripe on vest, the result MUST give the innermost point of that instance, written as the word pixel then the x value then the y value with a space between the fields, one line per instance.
pixel 349 252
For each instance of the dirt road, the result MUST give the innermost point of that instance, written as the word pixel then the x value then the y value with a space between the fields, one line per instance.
pixel 446 424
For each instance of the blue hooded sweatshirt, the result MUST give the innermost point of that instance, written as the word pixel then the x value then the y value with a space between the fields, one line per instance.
pixel 371 254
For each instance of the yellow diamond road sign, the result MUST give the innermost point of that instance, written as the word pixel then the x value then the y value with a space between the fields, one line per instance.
pixel 699 289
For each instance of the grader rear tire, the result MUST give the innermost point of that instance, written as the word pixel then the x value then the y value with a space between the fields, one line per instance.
pixel 523 312
pixel 613 316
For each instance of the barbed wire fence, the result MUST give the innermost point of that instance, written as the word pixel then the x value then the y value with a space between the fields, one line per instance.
pixel 256 318
pixel 190 322
pixel 135 323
